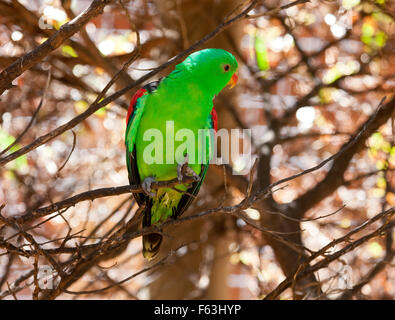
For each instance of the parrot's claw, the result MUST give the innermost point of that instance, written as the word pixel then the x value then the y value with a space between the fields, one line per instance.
pixel 179 174
pixel 184 170
pixel 146 185
pixel 181 167
pixel 190 172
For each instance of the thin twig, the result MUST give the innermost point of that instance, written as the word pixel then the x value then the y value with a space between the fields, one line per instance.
pixel 33 118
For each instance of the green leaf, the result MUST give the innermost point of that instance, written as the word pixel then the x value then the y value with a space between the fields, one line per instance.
pixel 332 75
pixel 382 17
pixel 381 183
pixel 261 53
pixel 381 165
pixel 386 146
pixel 5 140
pixel 372 152
pixel 69 51
pixel 81 106
pixel 348 4
pixel 367 30
pixel 101 112
pixel 380 39
pixel 325 95
pixel 376 140
pixel 366 39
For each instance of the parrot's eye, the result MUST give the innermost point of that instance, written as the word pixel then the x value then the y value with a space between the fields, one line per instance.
pixel 226 67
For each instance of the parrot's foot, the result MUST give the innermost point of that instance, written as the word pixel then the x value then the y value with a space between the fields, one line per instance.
pixel 191 173
pixel 146 185
pixel 183 169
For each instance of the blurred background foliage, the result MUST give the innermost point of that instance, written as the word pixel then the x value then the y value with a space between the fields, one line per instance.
pixel 309 76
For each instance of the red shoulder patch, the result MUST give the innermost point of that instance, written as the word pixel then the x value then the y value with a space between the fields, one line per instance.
pixel 139 93
pixel 215 119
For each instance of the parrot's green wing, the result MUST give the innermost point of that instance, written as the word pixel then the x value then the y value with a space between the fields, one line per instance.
pixel 191 193
pixel 135 112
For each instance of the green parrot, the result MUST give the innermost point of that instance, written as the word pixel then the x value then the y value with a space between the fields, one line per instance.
pixel 182 100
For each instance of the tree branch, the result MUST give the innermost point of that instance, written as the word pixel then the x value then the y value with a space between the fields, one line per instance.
pixel 53 42
pixel 335 176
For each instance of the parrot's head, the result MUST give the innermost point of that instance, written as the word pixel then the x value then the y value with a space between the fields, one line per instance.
pixel 212 69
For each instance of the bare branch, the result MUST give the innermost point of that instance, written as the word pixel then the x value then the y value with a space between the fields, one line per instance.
pixel 54 41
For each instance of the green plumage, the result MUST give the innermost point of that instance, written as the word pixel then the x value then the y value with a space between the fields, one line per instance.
pixel 185 98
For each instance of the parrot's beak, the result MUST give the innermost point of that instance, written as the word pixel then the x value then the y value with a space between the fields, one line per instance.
pixel 232 82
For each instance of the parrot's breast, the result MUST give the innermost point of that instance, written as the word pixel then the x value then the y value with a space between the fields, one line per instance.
pixel 169 128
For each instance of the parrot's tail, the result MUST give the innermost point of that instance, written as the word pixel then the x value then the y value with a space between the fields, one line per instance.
pixel 151 245
pixel 151 241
